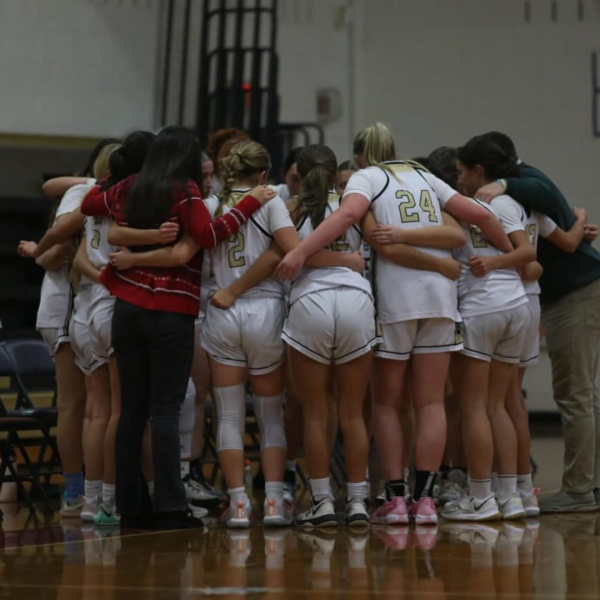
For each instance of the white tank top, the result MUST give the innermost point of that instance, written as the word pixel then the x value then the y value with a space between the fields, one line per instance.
pixel 316 279
pixel 404 194
pixel 501 289
pixel 231 259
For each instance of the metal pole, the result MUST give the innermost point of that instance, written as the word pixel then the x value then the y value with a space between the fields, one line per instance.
pixel 184 61
pixel 167 71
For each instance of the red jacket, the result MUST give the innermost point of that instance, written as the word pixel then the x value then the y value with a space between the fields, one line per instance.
pixel 175 289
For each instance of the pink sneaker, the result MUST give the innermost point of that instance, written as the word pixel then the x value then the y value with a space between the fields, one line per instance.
pixel 393 512
pixel 423 512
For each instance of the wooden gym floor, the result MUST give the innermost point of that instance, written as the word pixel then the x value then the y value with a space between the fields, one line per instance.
pixel 553 557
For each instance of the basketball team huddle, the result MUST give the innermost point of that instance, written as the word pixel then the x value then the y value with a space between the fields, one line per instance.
pixel 371 299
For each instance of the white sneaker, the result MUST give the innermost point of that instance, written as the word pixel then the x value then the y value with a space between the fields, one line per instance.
pixel 356 513
pixel 320 514
pixel 380 499
pixel 512 507
pixel 530 503
pixel 451 492
pixel 289 486
pixel 277 514
pixel 471 509
pixel 90 509
pixel 197 511
pixel 238 516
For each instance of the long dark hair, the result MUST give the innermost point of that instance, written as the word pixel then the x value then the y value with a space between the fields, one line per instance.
pixel 130 157
pixel 174 158
pixel 496 163
pixel 88 170
pixel 317 167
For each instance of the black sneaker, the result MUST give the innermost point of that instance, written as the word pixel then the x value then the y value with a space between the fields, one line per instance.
pixel 137 522
pixel 178 519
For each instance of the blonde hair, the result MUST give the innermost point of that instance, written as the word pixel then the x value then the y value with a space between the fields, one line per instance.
pixel 243 161
pixel 375 144
pixel 102 163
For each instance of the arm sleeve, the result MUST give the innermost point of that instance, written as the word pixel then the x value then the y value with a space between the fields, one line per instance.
pixel 368 183
pixel 546 226
pixel 208 233
pixel 279 215
pixel 442 190
pixel 508 213
pixel 534 194
pixel 96 204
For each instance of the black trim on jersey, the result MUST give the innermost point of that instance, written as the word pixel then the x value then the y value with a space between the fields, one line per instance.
pixel 441 345
pixel 260 228
pixel 301 224
pixel 385 187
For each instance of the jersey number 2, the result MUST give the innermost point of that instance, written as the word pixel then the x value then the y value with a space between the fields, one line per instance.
pixel 408 203
pixel 236 258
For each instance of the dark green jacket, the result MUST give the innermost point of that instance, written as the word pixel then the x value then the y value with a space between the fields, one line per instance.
pixel 563 273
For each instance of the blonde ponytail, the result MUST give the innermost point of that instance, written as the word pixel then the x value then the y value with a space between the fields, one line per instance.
pixel 244 160
pixel 101 167
pixel 375 144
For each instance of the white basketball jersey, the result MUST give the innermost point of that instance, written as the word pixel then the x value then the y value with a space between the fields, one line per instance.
pixel 231 259
pixel 325 278
pixel 97 246
pixel 404 194
pixel 57 295
pixel 501 289
pixel 208 285
pixel 537 225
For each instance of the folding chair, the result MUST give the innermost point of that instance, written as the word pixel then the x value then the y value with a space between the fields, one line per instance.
pixel 11 425
pixel 31 359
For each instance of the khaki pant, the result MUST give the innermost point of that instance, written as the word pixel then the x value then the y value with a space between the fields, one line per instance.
pixel 573 338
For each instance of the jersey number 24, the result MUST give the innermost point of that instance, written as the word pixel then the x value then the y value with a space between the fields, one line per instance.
pixel 408 204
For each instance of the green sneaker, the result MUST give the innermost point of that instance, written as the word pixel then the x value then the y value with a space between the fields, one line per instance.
pixel 105 518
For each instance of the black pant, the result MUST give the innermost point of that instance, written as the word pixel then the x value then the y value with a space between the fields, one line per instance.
pixel 154 354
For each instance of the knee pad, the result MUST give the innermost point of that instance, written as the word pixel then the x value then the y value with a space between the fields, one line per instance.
pixel 268 411
pixel 231 411
pixel 186 421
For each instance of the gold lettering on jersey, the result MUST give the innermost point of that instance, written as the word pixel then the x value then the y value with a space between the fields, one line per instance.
pixel 236 257
pixel 408 203
pixel 532 233
pixel 95 242
pixel 478 239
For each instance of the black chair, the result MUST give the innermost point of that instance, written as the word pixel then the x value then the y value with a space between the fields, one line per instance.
pixel 12 425
pixel 31 359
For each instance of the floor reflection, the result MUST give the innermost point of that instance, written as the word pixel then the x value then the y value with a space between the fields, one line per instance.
pixel 556 557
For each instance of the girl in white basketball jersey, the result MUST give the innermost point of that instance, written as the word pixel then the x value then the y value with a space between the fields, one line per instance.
pixel 417 309
pixel 330 331
pixel 496 316
pixel 60 305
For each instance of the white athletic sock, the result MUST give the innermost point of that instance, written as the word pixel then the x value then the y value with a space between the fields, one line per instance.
pixel 507 486
pixel 290 465
pixel 367 475
pixel 108 495
pixel 151 488
pixel 320 488
pixel 274 491
pixel 357 490
pixel 406 474
pixel 184 468
pixel 524 483
pixel 481 488
pixel 92 489
pixel 494 482
pixel 237 495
